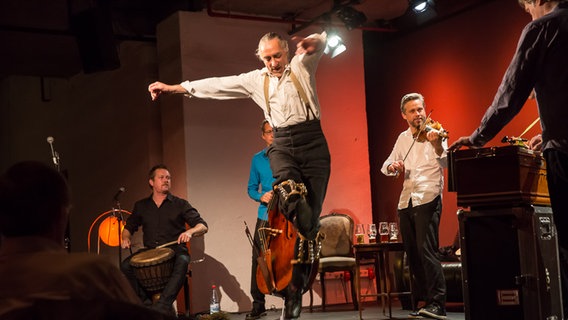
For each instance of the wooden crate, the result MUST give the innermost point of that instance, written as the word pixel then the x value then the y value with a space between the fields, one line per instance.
pixel 497 177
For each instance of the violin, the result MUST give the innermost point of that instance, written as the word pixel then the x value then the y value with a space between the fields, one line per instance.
pixel 420 135
pixel 518 141
pixel 427 126
pixel 515 141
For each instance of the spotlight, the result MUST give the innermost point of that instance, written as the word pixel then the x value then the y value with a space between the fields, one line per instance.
pixel 334 45
pixel 419 6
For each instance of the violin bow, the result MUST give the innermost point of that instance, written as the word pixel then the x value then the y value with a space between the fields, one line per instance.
pixel 530 126
pixel 251 240
pixel 518 140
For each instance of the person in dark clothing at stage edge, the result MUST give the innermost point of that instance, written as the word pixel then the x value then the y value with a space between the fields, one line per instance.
pixel 299 156
pixel 540 62
pixel 163 217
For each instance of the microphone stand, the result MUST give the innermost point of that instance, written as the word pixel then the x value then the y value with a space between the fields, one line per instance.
pixel 57 164
pixel 117 213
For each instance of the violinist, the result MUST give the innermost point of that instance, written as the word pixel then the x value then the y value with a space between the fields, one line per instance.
pixel 419 156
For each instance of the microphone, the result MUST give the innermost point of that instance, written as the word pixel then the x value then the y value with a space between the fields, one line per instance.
pixel 53 153
pixel 120 191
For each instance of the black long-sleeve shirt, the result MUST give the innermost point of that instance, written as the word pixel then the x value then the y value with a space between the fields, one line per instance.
pixel 164 224
pixel 540 62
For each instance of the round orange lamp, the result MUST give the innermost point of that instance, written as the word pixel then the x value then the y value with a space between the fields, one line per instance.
pixel 108 231
pixel 108 228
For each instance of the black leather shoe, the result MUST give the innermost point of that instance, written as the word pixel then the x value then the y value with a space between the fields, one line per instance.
pixel 255 314
pixel 292 306
pixel 433 311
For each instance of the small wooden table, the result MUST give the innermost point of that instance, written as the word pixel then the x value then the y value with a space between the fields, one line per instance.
pixel 379 253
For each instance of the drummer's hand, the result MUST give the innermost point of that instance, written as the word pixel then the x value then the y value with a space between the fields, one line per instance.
pixel 125 243
pixel 184 237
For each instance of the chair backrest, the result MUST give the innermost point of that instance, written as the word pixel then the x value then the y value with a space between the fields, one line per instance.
pixel 338 231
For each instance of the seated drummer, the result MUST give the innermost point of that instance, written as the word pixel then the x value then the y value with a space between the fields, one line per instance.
pixel 163 217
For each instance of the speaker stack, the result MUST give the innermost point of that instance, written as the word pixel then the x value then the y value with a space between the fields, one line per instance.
pixel 507 236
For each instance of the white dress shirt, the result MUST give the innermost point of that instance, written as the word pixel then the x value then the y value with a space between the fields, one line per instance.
pixel 423 169
pixel 285 103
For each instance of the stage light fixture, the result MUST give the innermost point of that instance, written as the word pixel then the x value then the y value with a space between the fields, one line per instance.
pixel 334 45
pixel 420 6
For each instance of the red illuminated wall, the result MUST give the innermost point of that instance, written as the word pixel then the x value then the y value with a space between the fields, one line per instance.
pixel 457 65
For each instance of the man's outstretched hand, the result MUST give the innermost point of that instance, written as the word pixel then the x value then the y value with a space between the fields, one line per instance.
pixel 462 141
pixel 157 88
pixel 308 45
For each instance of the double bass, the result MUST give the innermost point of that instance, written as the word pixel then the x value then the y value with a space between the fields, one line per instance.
pixel 280 250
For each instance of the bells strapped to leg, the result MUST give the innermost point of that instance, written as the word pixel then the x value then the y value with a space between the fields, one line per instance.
pixel 290 193
pixel 308 251
pixel 291 190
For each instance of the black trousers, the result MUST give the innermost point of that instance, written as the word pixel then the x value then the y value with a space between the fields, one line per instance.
pixel 557 179
pixel 258 299
pixel 300 153
pixel 419 229
pixel 177 278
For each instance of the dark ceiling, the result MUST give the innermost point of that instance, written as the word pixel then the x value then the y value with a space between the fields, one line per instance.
pixel 60 38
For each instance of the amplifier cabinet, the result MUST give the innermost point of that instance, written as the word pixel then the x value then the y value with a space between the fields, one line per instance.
pixel 510 264
pixel 498 176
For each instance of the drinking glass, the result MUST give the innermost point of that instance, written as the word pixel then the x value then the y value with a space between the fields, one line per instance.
pixel 384 231
pixel 393 228
pixel 372 233
pixel 360 233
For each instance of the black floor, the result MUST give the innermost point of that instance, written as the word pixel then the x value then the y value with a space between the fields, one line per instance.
pixel 371 311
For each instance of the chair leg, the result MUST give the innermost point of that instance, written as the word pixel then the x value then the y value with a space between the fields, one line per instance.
pixel 353 291
pixel 322 280
pixel 344 286
pixel 186 296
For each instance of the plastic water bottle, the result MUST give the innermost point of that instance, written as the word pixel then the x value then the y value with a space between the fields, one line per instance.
pixel 214 306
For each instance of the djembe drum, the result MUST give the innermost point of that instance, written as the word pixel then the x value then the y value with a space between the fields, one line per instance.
pixel 153 269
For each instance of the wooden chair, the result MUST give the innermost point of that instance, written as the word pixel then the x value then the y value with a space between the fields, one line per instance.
pixel 336 252
pixel 183 302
